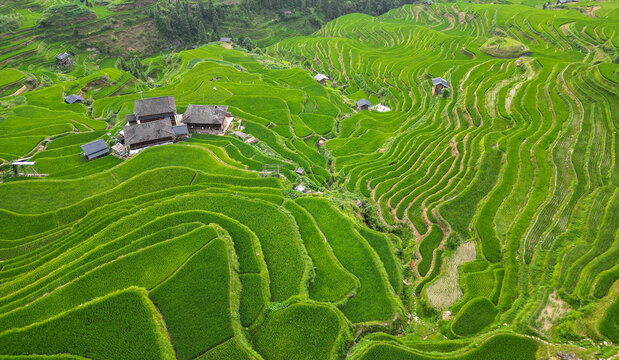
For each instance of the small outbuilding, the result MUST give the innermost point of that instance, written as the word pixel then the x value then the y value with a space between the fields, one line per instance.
pixel 95 149
pixel 439 84
pixel 207 119
pixel 193 47
pixel 321 78
pixel 241 135
pixel 364 104
pixel 149 134
pixel 429 2
pixel 300 171
pixel 181 132
pixel 225 40
pixel 119 149
pixel 63 59
pixel 73 98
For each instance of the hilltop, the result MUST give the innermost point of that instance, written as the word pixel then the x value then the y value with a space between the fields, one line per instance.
pixel 434 180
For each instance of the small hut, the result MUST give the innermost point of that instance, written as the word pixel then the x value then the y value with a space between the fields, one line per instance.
pixel 95 149
pixel 73 98
pixel 439 84
pixel 225 40
pixel 63 59
pixel 321 78
pixel 181 132
pixel 364 104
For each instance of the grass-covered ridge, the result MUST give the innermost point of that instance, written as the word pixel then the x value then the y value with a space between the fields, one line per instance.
pixel 478 223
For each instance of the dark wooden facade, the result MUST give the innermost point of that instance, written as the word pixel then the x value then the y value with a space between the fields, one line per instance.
pixel 144 144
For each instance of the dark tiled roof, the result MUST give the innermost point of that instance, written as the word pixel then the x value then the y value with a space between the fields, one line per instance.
pixel 72 99
pixel 62 56
pixel 152 130
pixel 439 80
pixel 155 106
pixel 205 114
pixel 180 130
pixel 130 118
pixel 95 149
pixel 364 102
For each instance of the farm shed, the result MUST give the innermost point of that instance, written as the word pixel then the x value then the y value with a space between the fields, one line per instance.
pixel 148 134
pixel 207 119
pixel 225 40
pixel 181 132
pixel 439 84
pixel 157 108
pixel 95 149
pixel 321 78
pixel 241 135
pixel 193 47
pixel 429 2
pixel 119 149
pixel 63 59
pixel 364 104
pixel 73 98
pixel 300 171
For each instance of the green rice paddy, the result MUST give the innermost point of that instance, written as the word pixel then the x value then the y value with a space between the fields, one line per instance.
pixel 192 251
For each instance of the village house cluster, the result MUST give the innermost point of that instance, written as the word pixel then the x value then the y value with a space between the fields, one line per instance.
pixel 155 121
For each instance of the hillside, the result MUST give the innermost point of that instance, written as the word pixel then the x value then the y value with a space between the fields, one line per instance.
pixel 470 213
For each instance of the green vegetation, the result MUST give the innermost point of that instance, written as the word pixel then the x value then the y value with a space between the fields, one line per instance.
pixel 303 331
pixel 501 47
pixel 478 223
pixel 474 316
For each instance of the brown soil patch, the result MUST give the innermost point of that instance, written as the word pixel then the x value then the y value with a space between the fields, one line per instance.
pixel 454 147
pixel 446 290
pixel 131 39
pixel 98 83
pixel 20 90
pixel 227 45
pixel 590 10
pixel 461 15
pixel 554 309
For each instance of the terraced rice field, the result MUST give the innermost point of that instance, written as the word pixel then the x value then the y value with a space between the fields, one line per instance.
pixel 502 192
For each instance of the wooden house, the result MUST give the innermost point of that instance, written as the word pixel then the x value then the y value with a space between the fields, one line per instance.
pixel 364 104
pixel 63 59
pixel 95 149
pixel 225 40
pixel 207 119
pixel 438 84
pixel 153 109
pixel 149 133
pixel 321 78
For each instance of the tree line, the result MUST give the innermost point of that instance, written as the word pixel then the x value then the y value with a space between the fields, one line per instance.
pixel 190 21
